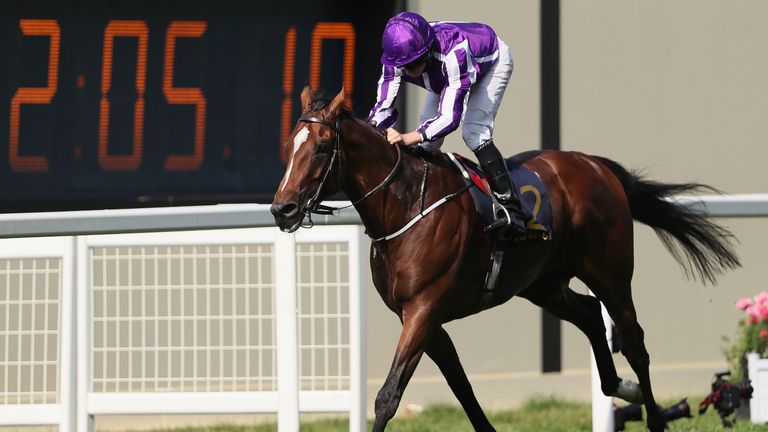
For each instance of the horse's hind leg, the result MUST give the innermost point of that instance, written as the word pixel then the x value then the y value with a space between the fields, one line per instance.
pixel 618 300
pixel 584 312
pixel 442 351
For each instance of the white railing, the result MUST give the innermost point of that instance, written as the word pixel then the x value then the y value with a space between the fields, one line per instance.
pixel 232 320
pixel 44 380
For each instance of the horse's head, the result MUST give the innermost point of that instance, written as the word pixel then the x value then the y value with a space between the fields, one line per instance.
pixel 311 155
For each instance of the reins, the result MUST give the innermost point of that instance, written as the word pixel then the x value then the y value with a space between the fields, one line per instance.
pixel 315 206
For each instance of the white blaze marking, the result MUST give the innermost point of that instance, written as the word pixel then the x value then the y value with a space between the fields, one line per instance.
pixel 298 140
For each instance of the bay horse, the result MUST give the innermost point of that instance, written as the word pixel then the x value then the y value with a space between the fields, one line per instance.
pixel 431 270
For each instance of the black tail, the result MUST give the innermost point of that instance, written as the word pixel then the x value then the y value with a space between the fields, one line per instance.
pixel 696 242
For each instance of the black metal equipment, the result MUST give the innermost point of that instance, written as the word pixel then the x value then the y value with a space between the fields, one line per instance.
pixel 726 397
pixel 634 412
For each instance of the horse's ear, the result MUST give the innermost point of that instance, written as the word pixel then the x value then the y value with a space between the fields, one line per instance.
pixel 306 97
pixel 337 103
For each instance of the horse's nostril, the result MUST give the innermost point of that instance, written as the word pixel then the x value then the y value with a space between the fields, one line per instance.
pixel 286 210
pixel 290 209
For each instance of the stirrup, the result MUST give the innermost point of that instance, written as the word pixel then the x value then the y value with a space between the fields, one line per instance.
pixel 502 218
pixel 504 221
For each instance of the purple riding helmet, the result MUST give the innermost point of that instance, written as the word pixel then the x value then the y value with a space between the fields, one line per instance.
pixel 407 36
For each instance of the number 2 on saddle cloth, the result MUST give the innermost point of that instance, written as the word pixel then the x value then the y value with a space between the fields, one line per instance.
pixel 534 200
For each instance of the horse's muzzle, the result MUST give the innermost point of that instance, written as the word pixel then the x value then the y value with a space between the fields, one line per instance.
pixel 287 215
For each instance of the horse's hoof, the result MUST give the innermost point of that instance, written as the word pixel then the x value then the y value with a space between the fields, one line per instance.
pixel 658 426
pixel 629 391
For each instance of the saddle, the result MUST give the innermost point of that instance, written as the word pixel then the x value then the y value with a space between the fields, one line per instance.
pixel 534 202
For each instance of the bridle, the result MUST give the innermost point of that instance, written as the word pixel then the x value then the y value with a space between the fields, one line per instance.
pixel 314 205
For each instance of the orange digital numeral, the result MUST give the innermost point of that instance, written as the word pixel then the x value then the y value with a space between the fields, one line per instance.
pixel 184 95
pixel 34 95
pixel 330 30
pixel 288 73
pixel 123 28
pixel 322 31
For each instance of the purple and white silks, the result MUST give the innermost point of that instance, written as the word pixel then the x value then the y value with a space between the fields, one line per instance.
pixel 470 71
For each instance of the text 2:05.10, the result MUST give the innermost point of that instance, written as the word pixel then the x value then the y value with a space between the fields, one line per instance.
pixel 174 95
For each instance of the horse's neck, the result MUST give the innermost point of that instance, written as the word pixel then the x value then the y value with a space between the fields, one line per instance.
pixel 368 165
pixel 369 162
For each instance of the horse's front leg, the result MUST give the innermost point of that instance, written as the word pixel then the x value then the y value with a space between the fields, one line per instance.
pixel 419 324
pixel 442 351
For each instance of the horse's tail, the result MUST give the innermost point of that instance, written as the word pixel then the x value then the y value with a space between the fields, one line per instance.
pixel 696 242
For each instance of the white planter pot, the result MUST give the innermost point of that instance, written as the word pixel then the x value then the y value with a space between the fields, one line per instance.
pixel 758 374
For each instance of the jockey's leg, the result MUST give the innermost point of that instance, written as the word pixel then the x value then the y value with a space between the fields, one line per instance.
pixel 477 131
pixel 495 169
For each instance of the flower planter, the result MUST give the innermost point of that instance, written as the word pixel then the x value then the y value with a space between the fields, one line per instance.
pixel 758 374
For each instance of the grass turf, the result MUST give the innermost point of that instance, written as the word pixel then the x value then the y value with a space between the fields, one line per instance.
pixel 537 415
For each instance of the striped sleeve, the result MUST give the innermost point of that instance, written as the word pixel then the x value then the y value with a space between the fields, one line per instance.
pixel 384 112
pixel 453 99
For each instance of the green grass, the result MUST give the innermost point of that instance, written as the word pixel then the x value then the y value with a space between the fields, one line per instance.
pixel 537 415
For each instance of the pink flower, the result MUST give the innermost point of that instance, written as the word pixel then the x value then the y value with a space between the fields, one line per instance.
pixel 764 334
pixel 753 314
pixel 744 303
pixel 762 298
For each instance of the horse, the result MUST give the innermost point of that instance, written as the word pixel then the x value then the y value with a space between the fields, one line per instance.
pixel 429 267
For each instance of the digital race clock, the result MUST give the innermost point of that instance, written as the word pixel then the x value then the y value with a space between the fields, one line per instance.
pixel 130 103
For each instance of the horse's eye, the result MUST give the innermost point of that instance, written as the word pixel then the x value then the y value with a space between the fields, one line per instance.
pixel 323 147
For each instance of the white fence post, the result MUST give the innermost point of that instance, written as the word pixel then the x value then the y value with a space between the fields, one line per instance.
pixel 757 369
pixel 287 333
pixel 83 278
pixel 602 405
pixel 357 328
pixel 67 331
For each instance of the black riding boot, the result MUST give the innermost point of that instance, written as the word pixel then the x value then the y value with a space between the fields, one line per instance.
pixel 495 169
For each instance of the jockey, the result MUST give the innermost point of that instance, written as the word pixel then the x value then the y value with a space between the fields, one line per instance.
pixel 465 67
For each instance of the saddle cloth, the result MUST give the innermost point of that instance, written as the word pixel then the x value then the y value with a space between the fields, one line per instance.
pixel 534 199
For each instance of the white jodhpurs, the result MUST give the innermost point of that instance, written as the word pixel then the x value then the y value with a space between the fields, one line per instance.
pixel 484 100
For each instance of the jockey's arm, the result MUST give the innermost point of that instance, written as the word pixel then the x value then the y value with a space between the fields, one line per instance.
pixel 384 112
pixel 453 98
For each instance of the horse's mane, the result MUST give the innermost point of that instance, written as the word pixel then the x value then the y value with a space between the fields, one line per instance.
pixel 321 99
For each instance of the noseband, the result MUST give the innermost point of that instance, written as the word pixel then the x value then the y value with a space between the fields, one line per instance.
pixel 314 205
